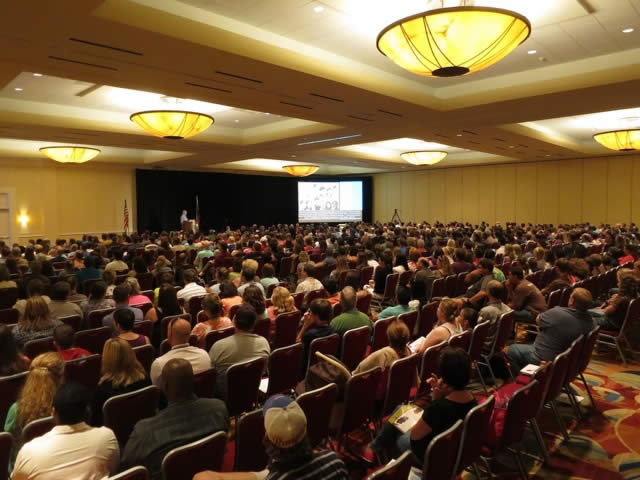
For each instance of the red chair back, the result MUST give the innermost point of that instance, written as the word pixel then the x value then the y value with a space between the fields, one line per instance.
pixel 84 370
pixel 74 321
pixel 391 286
pixel 93 340
pixel 554 298
pixel 400 380
pixel 33 348
pixel 428 318
pixel 313 294
pixel 575 356
pixel 515 421
pixel 441 454
pixel 262 327
pixel 250 454
pixel 298 299
pixel 480 333
pixel 354 346
pixel 144 327
pixel 243 380
pixel 337 309
pixel 8 297
pixel 96 316
pixel 317 406
pixel 6 446
pixel 284 368
pixel 399 469
pixel 122 412
pixel 631 318
pixel 461 284
pixel 10 388
pixel 135 473
pixel 474 433
pixel 166 321
pixel 564 298
pixel 410 319
pixel 233 310
pixel 505 324
pixel 145 307
pixel 37 428
pixel 360 400
pixel 342 278
pixel 327 345
pixel 450 285
pixel 145 280
pixel 9 316
pixel 204 383
pixel 145 355
pixel 380 339
pixel 195 303
pixel 589 345
pixel 183 463
pixel 405 278
pixel 286 267
pixel 287 328
pixel 558 375
pixel 363 303
pixel 438 288
pixel 462 340
pixel 429 365
pixel 214 335
pixel 366 274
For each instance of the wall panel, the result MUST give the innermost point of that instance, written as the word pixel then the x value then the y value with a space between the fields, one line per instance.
pixel 470 195
pixel 505 193
pixel 570 191
pixel 526 193
pixel 547 194
pixel 487 194
pixel 453 194
pixel 436 196
pixel 594 190
pixel 618 190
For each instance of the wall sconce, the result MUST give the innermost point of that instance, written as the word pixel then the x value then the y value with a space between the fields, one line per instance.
pixel 23 219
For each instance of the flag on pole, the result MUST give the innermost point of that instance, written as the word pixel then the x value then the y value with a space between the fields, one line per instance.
pixel 197 214
pixel 126 218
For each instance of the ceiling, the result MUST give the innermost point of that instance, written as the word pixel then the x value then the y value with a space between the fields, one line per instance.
pixel 300 81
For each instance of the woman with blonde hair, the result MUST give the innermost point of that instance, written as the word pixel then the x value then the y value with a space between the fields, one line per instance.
pixel 447 325
pixel 444 267
pixel 36 321
pixel 121 373
pixel 34 402
pixel 282 303
pixel 398 337
pixel 342 264
pixel 136 298
pixel 212 308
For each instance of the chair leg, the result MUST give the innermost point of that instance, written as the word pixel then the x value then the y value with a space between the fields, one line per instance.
pixel 621 352
pixel 487 465
pixel 588 389
pixel 484 386
pixel 523 471
pixel 543 448
pixel 574 402
pixel 476 471
pixel 561 423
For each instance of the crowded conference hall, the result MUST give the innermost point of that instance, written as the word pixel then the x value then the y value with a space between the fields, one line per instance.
pixel 320 240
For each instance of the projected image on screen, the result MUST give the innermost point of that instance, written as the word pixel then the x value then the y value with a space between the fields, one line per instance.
pixel 330 201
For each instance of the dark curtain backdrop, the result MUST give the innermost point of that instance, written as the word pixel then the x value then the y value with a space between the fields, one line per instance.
pixel 225 199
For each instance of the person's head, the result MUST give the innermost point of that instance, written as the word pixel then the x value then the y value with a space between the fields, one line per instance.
pixel 98 291
pixel 580 299
pixel 134 286
pixel 348 299
pixel 212 306
pixel 245 318
pixel 46 373
pixel 70 403
pixel 629 287
pixel 495 289
pixel 36 315
pixel 538 253
pixel 248 274
pixel 168 300
pixel 189 276
pixel 121 294
pixel 309 269
pixel 282 300
pixel 124 319
pixel 563 266
pixel 285 426
pixel 119 364
pixel 330 284
pixel 116 253
pixel 398 336
pixel 268 271
pixel 9 352
pixel 109 277
pixel 467 318
pixel 63 336
pixel 254 297
pixel 60 291
pixel 35 288
pixel 179 332
pixel 320 308
pixel 228 290
pixel 454 367
pixel 516 275
pixel 444 265
pixel 139 265
pixel 447 310
pixel 403 295
pixel 352 280
pixel 486 266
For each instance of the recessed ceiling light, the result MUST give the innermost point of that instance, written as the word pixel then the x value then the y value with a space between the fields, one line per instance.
pixel 236 121
pixel 292 156
pixel 18 89
pixel 627 30
pixel 318 9
pixel 547 155
pixel 458 135
pixel 512 146
pixel 532 52
pixel 37 74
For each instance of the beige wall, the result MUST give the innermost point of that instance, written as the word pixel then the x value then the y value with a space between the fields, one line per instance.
pixel 67 200
pixel 596 190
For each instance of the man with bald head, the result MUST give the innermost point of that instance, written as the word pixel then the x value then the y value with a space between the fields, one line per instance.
pixel 178 336
pixel 187 418
pixel 350 317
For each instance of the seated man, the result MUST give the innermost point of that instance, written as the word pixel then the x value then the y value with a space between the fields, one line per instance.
pixel 480 277
pixel 191 288
pixel 186 419
pixel 524 297
pixel 242 346
pixel 59 305
pixel 309 282
pixel 315 324
pixel 248 278
pixel 289 451
pixel 559 327
pixel 73 449
pixel 350 317
pixel 63 337
pixel 492 311
pixel 121 298
pixel 117 264
pixel 178 335
pixel 404 297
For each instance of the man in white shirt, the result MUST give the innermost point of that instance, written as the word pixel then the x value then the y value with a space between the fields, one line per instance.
pixel 247 278
pixel 178 336
pixel 73 449
pixel 191 288
pixel 117 264
pixel 308 282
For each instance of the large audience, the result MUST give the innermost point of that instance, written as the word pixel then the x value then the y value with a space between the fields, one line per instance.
pixel 172 293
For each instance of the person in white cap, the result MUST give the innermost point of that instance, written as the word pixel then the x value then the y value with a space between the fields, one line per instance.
pixel 290 454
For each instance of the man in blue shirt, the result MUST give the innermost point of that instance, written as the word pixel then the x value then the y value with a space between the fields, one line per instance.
pixel 404 297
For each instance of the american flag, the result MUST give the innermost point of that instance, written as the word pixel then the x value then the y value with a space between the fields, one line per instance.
pixel 126 218
pixel 197 212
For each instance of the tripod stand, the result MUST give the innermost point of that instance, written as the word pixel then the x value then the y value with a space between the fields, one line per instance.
pixel 396 217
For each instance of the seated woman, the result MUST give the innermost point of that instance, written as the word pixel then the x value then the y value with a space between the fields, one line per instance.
pixel 212 308
pixel 282 303
pixel 12 361
pixel 229 297
pixel 121 373
pixel 136 298
pixel 451 402
pixel 124 320
pixel 400 264
pixel 398 337
pixel 35 323
pixel 610 315
pixel 330 284
pixel 109 279
pixel 447 324
pixel 254 297
pixel 97 300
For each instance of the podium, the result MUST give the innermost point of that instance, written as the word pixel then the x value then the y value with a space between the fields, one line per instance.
pixel 188 226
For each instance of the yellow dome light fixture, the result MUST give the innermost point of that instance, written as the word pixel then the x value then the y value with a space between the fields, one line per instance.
pixel 300 170
pixel 620 140
pixel 423 157
pixel 172 124
pixel 449 42
pixel 70 154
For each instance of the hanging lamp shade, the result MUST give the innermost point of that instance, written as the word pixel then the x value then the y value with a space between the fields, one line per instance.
pixel 300 170
pixel 173 124
pixel 620 140
pixel 423 158
pixel 449 42
pixel 70 154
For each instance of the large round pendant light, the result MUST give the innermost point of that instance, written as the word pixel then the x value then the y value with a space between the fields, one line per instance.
pixel 620 140
pixel 173 124
pixel 449 42
pixel 70 154
pixel 423 158
pixel 300 170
